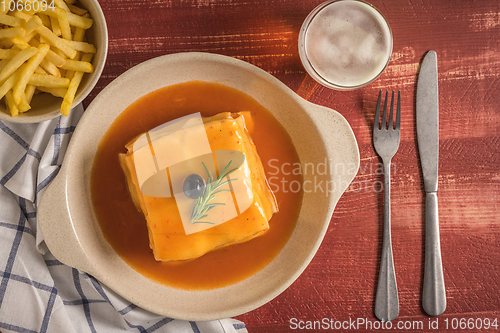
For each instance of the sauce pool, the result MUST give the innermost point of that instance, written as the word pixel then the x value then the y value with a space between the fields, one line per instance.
pixel 124 227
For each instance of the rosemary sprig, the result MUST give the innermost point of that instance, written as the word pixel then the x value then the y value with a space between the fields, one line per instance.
pixel 204 202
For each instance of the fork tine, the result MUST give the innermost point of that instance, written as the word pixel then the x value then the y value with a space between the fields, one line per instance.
pixel 384 116
pixel 391 122
pixel 377 112
pixel 398 112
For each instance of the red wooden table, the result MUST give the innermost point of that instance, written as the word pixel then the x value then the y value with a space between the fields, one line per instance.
pixel 339 285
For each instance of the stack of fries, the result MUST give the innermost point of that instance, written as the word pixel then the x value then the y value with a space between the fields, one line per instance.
pixel 42 49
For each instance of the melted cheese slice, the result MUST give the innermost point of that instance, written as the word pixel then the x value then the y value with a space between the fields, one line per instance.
pixel 167 236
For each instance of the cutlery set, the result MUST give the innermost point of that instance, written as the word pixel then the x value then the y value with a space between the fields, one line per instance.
pixel 386 137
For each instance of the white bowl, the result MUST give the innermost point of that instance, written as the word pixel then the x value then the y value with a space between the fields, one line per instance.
pixel 46 106
pixel 72 232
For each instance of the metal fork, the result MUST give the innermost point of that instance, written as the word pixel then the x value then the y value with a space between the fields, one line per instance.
pixel 386 143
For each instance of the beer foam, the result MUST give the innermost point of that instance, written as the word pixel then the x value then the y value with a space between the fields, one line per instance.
pixel 348 43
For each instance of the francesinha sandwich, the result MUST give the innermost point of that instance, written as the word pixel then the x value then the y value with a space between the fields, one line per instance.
pixel 200 184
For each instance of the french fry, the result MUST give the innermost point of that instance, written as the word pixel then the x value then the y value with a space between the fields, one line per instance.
pixel 50 67
pixel 77 10
pixel 73 86
pixel 33 23
pixel 61 4
pixel 12 32
pixel 8 53
pixel 11 105
pixel 79 34
pixel 11 20
pixel 3 63
pixel 49 81
pixel 20 43
pixel 30 91
pixel 22 15
pixel 81 46
pixel 40 70
pixel 60 43
pixel 60 53
pixel 23 104
pixel 45 19
pixel 80 21
pixel 58 92
pixel 27 71
pixel 78 66
pixel 54 24
pixel 17 61
pixel 28 37
pixel 44 40
pixel 8 84
pixel 53 57
pixel 64 23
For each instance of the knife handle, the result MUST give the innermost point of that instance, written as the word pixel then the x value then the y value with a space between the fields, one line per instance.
pixel 434 294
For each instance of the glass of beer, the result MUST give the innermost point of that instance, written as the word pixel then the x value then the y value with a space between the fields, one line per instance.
pixel 345 44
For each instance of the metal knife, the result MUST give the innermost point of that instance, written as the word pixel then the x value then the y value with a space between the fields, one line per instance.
pixel 434 293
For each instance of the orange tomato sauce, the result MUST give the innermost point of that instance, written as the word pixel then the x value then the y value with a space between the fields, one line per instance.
pixel 124 227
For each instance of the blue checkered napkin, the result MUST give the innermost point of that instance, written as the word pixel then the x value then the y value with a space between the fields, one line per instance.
pixel 37 292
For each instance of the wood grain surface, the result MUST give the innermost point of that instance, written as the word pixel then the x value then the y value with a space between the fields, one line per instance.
pixel 340 282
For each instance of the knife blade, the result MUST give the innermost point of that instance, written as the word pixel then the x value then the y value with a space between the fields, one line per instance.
pixel 434 293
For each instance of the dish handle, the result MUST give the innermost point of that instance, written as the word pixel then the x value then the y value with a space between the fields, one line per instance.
pixel 340 143
pixel 57 227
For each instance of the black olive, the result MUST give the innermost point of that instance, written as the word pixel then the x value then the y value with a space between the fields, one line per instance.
pixel 193 186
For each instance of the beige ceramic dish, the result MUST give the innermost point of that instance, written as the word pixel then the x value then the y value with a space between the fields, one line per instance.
pixel 46 106
pixel 320 135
